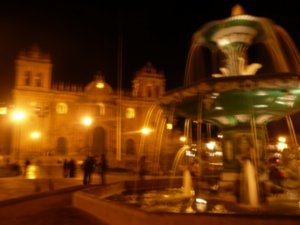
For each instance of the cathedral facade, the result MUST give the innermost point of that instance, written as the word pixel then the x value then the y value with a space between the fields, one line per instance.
pixel 57 120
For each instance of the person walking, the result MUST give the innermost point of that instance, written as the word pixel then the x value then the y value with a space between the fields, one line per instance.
pixel 26 164
pixel 72 166
pixel 102 168
pixel 88 169
pixel 66 168
pixel 142 167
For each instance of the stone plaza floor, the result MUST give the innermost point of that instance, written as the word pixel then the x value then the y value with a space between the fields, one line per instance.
pixel 14 188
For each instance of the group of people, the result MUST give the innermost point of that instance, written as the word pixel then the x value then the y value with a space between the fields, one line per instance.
pixel 94 164
pixel 69 168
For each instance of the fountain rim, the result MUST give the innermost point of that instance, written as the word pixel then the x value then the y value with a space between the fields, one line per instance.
pixel 245 82
pixel 211 28
pixel 85 200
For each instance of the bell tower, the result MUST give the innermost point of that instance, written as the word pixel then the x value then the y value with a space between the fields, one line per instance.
pixel 148 82
pixel 33 70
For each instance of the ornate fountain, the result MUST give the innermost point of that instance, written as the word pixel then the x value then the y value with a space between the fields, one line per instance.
pixel 241 74
pixel 240 93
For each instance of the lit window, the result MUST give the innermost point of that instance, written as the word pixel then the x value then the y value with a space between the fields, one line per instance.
pixel 62 108
pixel 100 85
pixel 130 113
pixel 100 109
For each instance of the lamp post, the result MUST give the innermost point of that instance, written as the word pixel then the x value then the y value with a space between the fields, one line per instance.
pixel 18 117
pixel 87 122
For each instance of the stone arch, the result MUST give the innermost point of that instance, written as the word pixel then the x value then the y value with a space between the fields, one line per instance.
pixel 130 147
pixel 98 144
pixel 61 146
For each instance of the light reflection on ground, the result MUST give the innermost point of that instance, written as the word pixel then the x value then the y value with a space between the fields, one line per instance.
pixel 32 172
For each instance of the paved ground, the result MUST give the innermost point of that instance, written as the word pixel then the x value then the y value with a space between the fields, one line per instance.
pixel 24 185
pixel 14 187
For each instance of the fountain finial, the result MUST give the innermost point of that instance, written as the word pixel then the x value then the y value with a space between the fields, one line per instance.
pixel 237 10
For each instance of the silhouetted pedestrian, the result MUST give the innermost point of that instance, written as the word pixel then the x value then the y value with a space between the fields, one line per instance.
pixel 26 164
pixel 66 168
pixel 88 168
pixel 101 166
pixel 72 166
pixel 142 167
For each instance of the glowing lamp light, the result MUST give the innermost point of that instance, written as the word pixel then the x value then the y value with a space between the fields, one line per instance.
pixel 100 85
pixel 220 136
pixel 201 204
pixel 182 139
pixel 190 153
pixel 169 126
pixel 281 146
pixel 18 115
pixel 145 130
pixel 211 145
pixel 87 121
pixel 35 135
pixel 282 139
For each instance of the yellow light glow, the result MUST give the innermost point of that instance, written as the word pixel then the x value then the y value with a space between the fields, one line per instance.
pixel 35 135
pixel 146 130
pixel 220 136
pixel 87 121
pixel 211 145
pixel 182 139
pixel 282 139
pixel 18 115
pixel 201 204
pixel 100 85
pixel 130 113
pixel 169 126
pixel 32 172
pixel 281 146
pixel 3 110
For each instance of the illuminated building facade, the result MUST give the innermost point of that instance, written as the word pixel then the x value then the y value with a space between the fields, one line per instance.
pixel 54 113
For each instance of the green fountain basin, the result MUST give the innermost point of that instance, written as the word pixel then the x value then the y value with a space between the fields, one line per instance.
pixel 233 101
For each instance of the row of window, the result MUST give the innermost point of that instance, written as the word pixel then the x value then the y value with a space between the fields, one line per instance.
pixel 37 79
pixel 62 108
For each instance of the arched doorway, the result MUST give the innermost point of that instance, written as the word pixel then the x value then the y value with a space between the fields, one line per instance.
pixel 61 146
pixel 130 147
pixel 98 145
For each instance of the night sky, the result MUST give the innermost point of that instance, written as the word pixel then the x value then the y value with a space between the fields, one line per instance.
pixel 82 36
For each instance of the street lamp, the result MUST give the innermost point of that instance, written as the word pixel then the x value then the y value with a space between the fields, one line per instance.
pixel 87 122
pixel 183 139
pixel 18 116
pixel 281 144
pixel 146 130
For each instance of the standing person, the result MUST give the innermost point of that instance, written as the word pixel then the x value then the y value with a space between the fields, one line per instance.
pixel 66 168
pixel 102 168
pixel 27 163
pixel 88 168
pixel 72 166
pixel 142 167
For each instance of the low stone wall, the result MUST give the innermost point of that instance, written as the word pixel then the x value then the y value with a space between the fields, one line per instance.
pixel 93 201
pixel 33 204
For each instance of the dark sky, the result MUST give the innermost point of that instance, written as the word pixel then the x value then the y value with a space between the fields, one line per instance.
pixel 82 36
